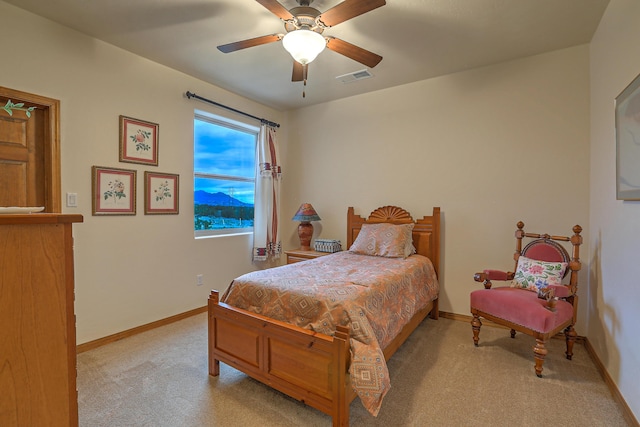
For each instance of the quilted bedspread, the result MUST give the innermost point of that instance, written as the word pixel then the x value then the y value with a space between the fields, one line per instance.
pixel 374 296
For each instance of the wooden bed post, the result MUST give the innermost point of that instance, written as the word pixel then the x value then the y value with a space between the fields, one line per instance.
pixel 435 311
pixel 341 402
pixel 214 364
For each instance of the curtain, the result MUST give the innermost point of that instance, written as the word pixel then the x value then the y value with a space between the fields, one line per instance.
pixel 266 233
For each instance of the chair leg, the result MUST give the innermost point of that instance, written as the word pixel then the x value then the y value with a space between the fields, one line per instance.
pixel 475 326
pixel 539 352
pixel 570 334
pixel 513 333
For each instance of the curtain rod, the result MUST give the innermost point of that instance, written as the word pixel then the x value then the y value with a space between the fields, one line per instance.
pixel 270 123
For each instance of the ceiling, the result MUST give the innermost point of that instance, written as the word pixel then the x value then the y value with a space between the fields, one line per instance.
pixel 418 39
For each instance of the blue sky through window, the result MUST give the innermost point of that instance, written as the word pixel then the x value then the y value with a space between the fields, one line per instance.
pixel 225 151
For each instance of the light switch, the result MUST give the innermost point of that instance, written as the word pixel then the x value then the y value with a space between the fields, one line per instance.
pixel 72 200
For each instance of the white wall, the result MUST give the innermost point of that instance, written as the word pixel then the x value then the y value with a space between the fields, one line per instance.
pixel 130 270
pixel 490 146
pixel 614 224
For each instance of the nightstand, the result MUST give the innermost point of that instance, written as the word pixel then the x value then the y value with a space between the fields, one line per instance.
pixel 298 255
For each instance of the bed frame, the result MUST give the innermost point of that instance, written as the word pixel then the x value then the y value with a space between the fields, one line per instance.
pixel 309 366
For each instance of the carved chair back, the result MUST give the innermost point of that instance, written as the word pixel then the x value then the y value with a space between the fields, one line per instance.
pixel 546 248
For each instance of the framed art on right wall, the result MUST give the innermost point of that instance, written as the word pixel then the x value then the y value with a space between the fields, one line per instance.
pixel 628 142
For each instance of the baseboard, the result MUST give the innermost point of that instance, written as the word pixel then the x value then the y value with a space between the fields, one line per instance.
pixel 628 414
pixel 613 388
pixel 137 330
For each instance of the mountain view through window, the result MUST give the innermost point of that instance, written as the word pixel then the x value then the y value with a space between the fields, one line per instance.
pixel 224 176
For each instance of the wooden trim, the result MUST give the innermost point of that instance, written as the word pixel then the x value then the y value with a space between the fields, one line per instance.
pixel 455 316
pixel 138 329
pixel 39 218
pixel 615 392
pixel 467 318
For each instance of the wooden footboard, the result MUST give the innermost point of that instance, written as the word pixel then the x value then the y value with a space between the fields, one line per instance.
pixel 308 366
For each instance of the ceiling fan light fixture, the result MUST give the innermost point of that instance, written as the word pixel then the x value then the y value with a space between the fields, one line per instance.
pixel 304 45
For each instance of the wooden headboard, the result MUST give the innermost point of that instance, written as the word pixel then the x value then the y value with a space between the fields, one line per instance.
pixel 426 231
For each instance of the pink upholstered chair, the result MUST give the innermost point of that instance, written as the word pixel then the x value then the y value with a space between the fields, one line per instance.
pixel 535 301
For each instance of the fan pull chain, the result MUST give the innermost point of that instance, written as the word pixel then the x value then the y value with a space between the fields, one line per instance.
pixel 305 69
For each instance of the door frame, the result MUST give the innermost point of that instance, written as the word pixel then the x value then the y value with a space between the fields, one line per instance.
pixel 50 145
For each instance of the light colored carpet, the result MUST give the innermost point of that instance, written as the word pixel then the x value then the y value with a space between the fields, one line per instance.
pixel 438 378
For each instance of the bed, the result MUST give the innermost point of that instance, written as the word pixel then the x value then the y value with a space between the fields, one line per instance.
pixel 318 356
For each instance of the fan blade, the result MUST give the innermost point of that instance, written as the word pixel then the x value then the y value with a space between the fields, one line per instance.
pixel 232 47
pixel 276 8
pixel 300 72
pixel 354 52
pixel 348 9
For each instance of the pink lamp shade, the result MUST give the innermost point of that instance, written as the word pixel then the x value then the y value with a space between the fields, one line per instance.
pixel 306 213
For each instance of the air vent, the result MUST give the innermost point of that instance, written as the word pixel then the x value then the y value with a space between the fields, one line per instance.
pixel 356 75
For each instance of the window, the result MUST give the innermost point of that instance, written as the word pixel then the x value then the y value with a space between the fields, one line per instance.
pixel 224 175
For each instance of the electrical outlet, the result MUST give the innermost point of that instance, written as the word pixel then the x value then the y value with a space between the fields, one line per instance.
pixel 199 280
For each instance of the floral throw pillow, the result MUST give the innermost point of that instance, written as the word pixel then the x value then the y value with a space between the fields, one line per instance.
pixel 535 275
pixel 384 239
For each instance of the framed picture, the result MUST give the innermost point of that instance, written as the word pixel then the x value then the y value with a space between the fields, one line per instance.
pixel 113 191
pixel 161 193
pixel 138 141
pixel 628 142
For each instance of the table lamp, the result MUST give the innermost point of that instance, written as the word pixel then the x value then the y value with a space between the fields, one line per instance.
pixel 305 215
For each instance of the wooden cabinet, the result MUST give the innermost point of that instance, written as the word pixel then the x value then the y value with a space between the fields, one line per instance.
pixel 298 255
pixel 37 321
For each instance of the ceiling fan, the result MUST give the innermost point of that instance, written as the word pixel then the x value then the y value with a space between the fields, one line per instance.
pixel 304 27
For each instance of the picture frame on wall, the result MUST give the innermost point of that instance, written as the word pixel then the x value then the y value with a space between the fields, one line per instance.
pixel 113 191
pixel 161 193
pixel 627 118
pixel 138 141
